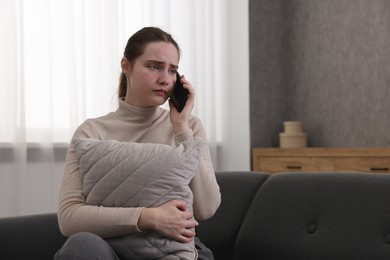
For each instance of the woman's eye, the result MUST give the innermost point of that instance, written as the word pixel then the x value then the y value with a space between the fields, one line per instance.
pixel 173 71
pixel 154 67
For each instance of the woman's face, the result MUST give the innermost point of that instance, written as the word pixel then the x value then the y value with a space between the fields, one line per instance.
pixel 150 79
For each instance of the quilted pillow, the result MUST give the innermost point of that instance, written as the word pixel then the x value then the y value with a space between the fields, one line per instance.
pixel 128 174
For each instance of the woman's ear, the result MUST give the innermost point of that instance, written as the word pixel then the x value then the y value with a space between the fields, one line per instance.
pixel 125 65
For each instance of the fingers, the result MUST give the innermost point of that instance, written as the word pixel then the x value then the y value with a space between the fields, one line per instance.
pixel 187 84
pixel 189 87
pixel 186 214
pixel 173 219
pixel 186 236
pixel 180 204
pixel 191 97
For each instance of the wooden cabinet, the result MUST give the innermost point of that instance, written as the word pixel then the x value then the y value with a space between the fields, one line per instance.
pixel 368 159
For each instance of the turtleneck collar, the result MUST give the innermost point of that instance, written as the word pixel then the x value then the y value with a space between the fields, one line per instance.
pixel 135 114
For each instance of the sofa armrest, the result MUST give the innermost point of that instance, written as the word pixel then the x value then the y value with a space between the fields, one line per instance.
pixel 30 237
pixel 237 190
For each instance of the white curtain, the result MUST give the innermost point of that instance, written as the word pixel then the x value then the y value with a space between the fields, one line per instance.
pixel 60 65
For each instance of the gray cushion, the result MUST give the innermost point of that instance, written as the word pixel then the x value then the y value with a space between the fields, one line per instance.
pixel 127 174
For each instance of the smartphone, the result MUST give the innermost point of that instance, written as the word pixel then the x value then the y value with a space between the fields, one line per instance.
pixel 179 94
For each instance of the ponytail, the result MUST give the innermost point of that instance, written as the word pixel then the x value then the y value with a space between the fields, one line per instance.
pixel 122 89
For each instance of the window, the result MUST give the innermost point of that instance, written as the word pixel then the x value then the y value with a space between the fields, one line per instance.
pixel 62 60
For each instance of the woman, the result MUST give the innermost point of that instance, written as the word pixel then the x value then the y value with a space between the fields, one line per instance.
pixel 149 66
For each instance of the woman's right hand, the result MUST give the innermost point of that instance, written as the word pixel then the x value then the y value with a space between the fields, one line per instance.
pixel 172 219
pixel 180 120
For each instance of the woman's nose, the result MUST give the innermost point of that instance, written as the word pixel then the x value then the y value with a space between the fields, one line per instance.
pixel 164 78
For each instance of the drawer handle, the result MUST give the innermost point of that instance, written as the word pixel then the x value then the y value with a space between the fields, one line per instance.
pixel 294 167
pixel 379 169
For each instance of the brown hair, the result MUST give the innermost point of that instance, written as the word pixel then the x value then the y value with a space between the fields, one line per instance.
pixel 135 47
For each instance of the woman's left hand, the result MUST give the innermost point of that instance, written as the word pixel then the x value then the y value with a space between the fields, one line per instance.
pixel 180 121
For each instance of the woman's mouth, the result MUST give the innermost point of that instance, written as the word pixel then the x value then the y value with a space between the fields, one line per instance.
pixel 160 92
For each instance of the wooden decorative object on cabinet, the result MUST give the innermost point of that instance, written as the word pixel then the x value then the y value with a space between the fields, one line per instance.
pixel 359 159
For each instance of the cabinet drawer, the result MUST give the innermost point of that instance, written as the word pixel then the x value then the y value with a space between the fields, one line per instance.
pixel 362 164
pixel 294 164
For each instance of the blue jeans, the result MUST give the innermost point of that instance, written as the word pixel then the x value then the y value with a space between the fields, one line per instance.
pixel 88 246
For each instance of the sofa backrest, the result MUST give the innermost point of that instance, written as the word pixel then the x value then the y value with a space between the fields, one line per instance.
pixel 30 237
pixel 220 232
pixel 318 216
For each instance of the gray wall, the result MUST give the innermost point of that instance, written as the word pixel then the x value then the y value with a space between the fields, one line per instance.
pixel 325 63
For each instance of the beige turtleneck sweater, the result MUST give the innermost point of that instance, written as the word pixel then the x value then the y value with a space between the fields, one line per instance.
pixel 130 124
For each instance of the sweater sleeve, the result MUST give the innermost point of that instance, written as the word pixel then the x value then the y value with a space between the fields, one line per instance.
pixel 74 215
pixel 207 196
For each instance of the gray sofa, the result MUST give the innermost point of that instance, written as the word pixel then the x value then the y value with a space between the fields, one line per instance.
pixel 262 216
